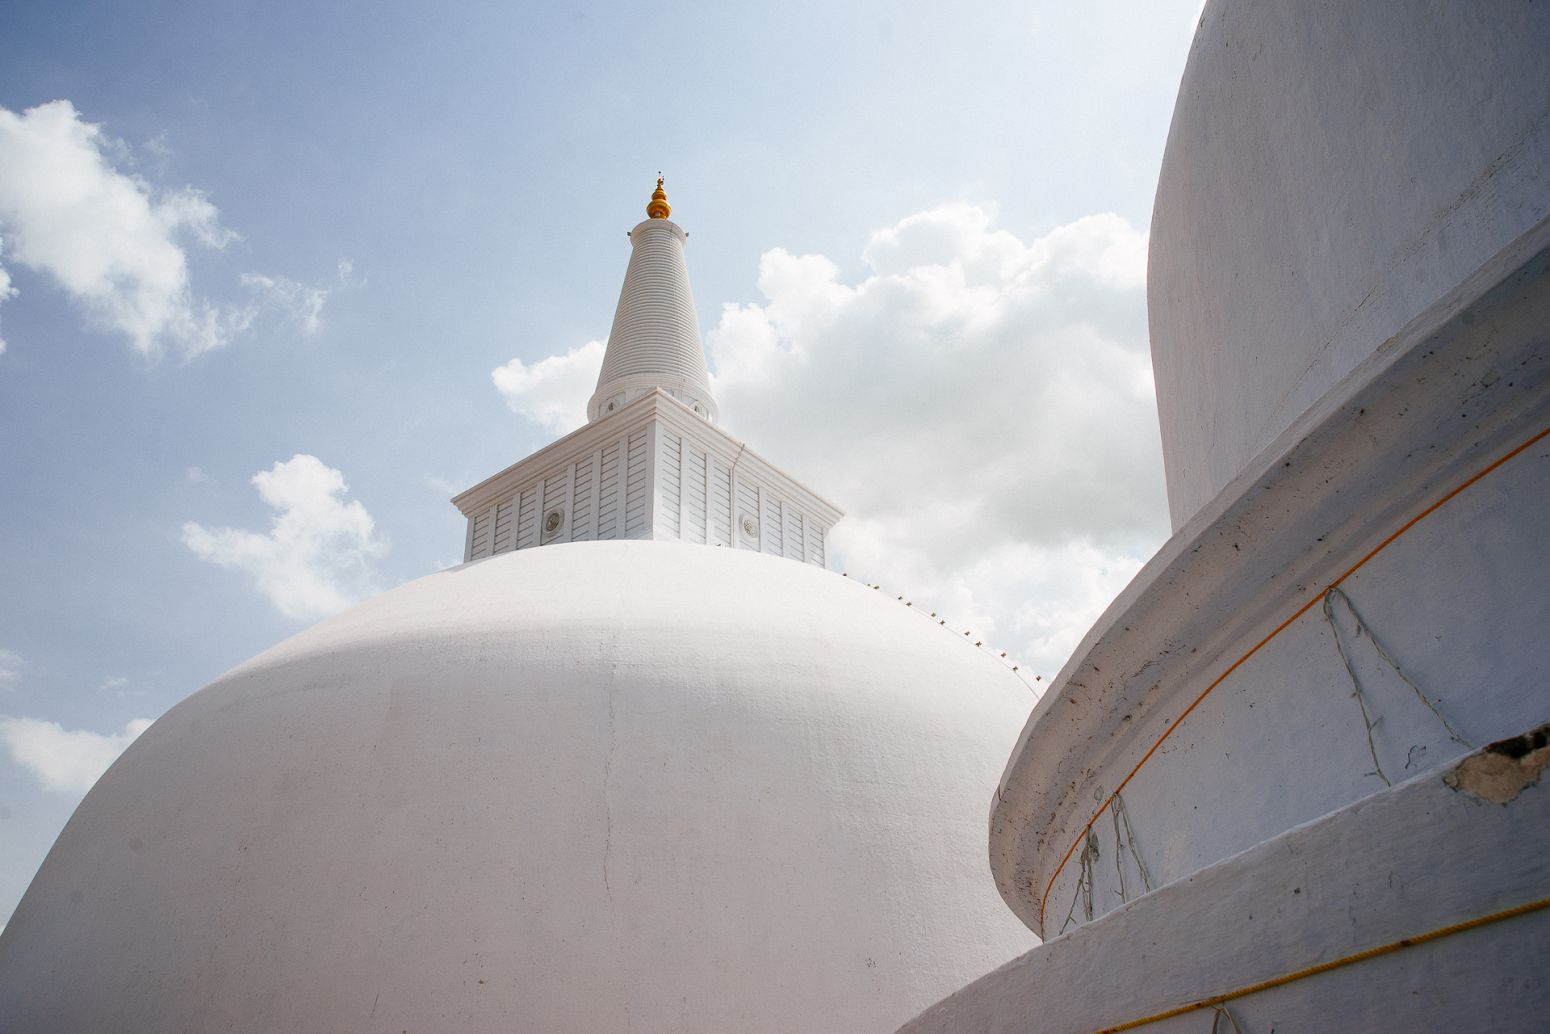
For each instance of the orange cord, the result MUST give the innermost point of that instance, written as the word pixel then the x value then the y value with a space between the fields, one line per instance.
pixel 1299 612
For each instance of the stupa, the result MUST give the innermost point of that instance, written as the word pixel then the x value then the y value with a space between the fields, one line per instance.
pixel 642 763
pixel 1292 779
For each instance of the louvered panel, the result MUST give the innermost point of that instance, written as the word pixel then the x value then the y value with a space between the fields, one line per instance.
pixel 479 546
pixel 770 524
pixel 636 488
pixel 695 528
pixel 816 551
pixel 502 539
pixel 791 532
pixel 747 506
pixel 554 491
pixel 720 505
pixel 669 468
pixel 527 518
pixel 582 505
pixel 608 494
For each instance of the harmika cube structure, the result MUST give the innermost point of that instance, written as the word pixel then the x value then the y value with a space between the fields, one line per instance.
pixel 637 784
pixel 1293 778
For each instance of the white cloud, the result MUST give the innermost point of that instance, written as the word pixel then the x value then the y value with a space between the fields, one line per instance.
pixel 345 269
pixel 441 485
pixel 552 392
pixel 316 558
pixel 303 305
pixel 107 237
pixel 114 682
pixel 10 669
pixel 196 476
pixel 69 760
pixel 6 290
pixel 981 406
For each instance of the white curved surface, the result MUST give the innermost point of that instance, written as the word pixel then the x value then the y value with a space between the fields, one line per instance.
pixel 655 339
pixel 1410 860
pixel 1331 170
pixel 714 791
pixel 1457 601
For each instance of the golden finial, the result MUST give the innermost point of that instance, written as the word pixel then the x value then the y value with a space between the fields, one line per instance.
pixel 658 208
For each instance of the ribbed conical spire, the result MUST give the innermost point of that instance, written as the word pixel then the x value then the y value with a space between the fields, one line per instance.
pixel 655 340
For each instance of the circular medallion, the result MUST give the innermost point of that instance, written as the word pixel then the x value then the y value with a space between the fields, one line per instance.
pixel 553 521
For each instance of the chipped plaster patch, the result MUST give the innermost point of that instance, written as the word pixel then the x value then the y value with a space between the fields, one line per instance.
pixel 1501 771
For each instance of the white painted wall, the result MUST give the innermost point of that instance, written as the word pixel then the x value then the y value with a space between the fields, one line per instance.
pixel 640 489
pixel 772 515
pixel 1332 170
pixel 519 518
pixel 715 792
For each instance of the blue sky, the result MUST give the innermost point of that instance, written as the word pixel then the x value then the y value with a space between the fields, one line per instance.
pixel 261 231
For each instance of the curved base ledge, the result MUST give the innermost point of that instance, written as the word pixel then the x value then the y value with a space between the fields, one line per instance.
pixel 1463 384
pixel 1443 849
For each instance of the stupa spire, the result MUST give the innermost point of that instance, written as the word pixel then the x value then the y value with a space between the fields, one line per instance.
pixel 655 340
pixel 650 462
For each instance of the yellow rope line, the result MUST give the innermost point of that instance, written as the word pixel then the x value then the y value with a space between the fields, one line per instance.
pixel 1325 967
pixel 1299 612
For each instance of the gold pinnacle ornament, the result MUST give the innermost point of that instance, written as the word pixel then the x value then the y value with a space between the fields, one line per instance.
pixel 658 208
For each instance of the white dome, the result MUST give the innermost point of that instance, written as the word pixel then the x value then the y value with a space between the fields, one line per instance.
pixel 591 787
